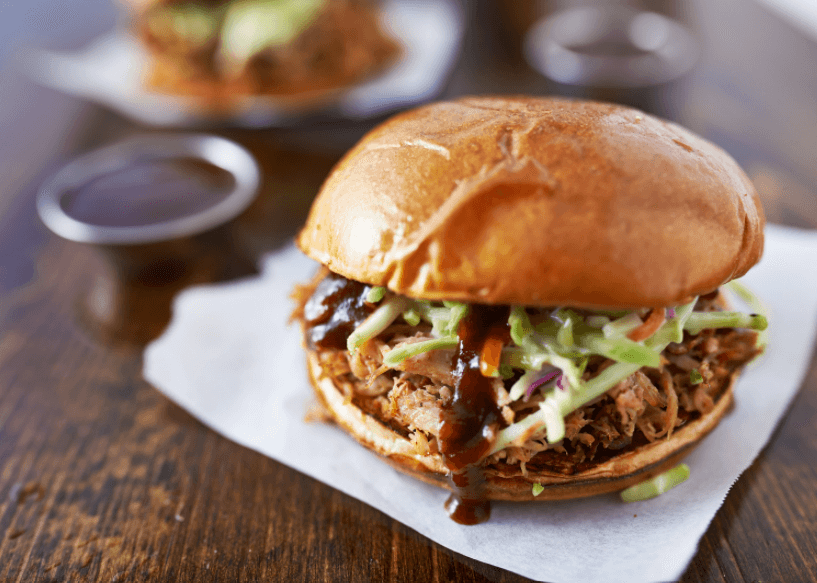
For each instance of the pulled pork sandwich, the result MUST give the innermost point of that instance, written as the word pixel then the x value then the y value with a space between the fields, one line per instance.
pixel 520 297
pixel 224 48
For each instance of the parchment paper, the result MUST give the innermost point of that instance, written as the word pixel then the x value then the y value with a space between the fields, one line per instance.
pixel 230 359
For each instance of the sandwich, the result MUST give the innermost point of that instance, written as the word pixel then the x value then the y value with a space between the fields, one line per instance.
pixel 221 49
pixel 522 298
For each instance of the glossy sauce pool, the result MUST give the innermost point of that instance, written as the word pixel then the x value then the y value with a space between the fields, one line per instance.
pixel 148 192
pixel 157 209
pixel 336 307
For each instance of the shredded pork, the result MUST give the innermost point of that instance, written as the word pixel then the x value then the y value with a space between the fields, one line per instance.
pixel 646 406
pixel 343 44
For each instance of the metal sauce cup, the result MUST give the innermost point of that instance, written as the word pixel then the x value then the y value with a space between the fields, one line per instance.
pixel 613 52
pixel 158 208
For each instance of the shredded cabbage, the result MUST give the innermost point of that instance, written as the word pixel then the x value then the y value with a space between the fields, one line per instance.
pixel 703 320
pixel 401 353
pixel 377 321
pixel 196 24
pixel 444 319
pixel 620 349
pixel 520 325
pixel 597 321
pixel 621 326
pixel 529 380
pixel 412 317
pixel 250 26
pixel 657 485
pixel 564 337
pixel 558 404
pixel 561 343
pixel 754 303
pixel 376 294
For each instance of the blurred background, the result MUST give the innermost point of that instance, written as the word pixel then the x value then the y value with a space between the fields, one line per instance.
pixel 81 75
pixel 77 76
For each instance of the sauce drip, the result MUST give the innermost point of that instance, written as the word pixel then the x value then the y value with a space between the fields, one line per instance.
pixel 148 192
pixel 467 504
pixel 465 432
pixel 336 307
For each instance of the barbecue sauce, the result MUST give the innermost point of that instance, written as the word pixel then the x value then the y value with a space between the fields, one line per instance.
pixel 149 192
pixel 465 433
pixel 336 307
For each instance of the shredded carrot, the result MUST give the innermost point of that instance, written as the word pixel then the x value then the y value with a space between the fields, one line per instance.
pixel 491 353
pixel 654 321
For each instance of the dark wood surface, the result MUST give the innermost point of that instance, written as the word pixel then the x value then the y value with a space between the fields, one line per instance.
pixel 104 479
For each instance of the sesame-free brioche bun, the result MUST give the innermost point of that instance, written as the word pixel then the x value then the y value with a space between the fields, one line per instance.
pixel 536 201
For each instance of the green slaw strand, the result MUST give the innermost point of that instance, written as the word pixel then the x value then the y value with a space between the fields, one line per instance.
pixel 376 294
pixel 703 320
pixel 563 341
pixel 558 403
pixel 377 321
pixel 407 350
pixel 755 304
pixel 657 485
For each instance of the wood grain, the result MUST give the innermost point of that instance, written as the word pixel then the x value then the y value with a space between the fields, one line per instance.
pixel 103 479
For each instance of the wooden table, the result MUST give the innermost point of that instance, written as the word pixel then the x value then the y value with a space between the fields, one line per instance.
pixel 104 479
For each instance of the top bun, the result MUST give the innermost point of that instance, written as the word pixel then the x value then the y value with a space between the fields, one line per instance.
pixel 518 200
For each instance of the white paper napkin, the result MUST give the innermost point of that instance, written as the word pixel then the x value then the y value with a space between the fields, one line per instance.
pixel 230 359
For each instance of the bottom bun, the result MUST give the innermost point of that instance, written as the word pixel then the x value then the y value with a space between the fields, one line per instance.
pixel 632 466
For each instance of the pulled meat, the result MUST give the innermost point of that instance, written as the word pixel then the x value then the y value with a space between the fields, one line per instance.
pixel 644 407
pixel 342 44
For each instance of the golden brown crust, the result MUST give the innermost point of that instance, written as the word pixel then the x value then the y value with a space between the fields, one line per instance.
pixel 616 474
pixel 539 202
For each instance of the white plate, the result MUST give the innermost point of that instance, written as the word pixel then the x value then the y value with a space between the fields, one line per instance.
pixel 799 13
pixel 110 71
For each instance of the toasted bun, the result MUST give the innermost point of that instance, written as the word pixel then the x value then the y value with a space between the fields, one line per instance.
pixel 626 469
pixel 537 202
